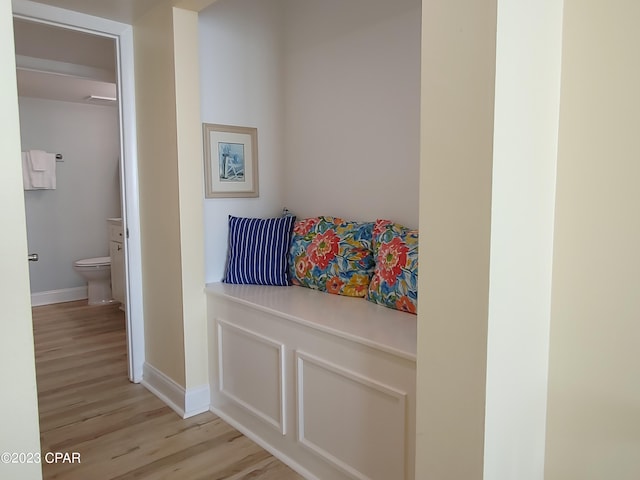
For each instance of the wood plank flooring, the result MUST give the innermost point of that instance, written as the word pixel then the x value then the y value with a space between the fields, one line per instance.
pixel 122 431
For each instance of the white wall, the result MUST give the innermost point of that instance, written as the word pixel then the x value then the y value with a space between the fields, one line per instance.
pixel 19 401
pixel 190 177
pixel 352 97
pixel 159 192
pixel 456 159
pixel 529 41
pixel 70 223
pixel 171 190
pixel 333 89
pixel 241 82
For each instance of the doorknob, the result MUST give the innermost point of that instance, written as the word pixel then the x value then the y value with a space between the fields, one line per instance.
pixel 33 257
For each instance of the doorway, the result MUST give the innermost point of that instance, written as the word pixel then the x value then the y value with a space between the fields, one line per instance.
pixel 68 107
pixel 122 37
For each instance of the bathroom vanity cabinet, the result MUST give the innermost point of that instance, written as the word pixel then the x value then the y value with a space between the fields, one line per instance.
pixel 116 251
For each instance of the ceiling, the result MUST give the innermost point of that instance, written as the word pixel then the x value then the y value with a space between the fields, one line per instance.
pixel 125 11
pixel 67 65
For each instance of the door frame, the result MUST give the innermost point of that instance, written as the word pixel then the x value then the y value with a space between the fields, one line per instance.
pixel 123 35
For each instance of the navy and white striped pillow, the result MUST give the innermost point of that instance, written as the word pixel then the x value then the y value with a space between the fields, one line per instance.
pixel 258 250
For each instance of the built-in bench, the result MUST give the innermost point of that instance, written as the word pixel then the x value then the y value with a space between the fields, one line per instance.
pixel 324 382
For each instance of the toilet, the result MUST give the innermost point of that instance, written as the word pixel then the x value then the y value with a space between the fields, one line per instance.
pixel 97 273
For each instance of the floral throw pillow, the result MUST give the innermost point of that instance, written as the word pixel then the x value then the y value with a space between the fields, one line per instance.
pixel 395 279
pixel 331 255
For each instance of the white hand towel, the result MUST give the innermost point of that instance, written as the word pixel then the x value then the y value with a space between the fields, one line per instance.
pixel 44 179
pixel 38 160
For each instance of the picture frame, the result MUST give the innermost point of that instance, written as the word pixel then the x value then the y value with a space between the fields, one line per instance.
pixel 230 161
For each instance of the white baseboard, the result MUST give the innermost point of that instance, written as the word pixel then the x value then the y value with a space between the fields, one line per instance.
pixel 58 296
pixel 185 403
pixel 197 400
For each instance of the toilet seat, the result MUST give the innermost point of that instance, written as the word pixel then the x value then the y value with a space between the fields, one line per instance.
pixel 93 262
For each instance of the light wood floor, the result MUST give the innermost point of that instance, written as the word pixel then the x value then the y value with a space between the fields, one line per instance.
pixel 122 431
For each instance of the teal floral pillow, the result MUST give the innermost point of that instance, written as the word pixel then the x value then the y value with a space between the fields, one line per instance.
pixel 395 278
pixel 331 255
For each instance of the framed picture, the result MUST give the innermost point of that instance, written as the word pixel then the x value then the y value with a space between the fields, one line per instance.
pixel 230 161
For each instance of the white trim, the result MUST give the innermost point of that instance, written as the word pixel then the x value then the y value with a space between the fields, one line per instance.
pixel 123 35
pixel 185 403
pixel 164 388
pixel 131 206
pixel 58 296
